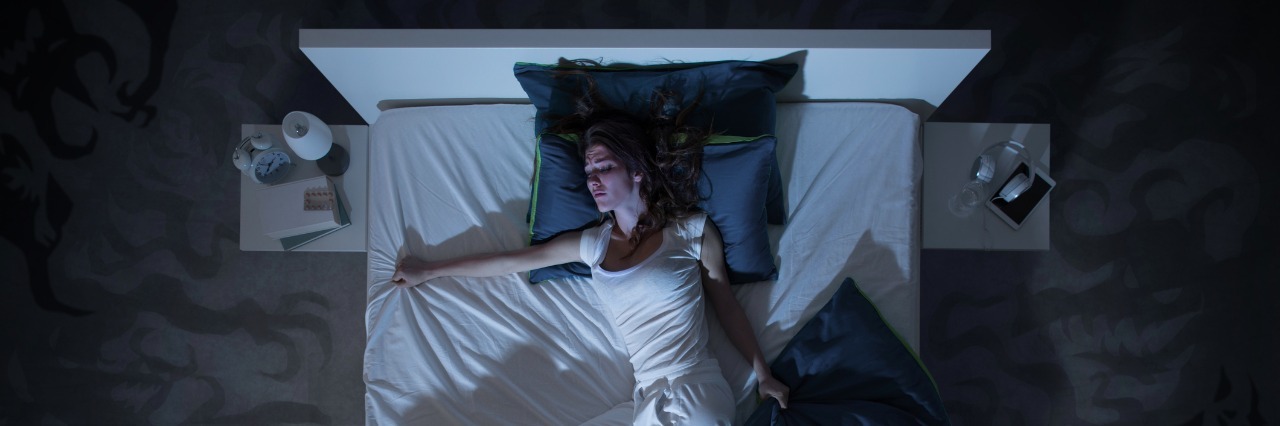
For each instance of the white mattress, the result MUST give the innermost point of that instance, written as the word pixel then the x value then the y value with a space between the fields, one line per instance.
pixel 454 180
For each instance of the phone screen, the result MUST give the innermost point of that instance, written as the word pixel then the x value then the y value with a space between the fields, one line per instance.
pixel 1021 207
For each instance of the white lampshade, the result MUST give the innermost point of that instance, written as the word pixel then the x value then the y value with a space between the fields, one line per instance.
pixel 307 136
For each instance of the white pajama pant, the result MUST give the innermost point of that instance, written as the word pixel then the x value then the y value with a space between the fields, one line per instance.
pixel 693 396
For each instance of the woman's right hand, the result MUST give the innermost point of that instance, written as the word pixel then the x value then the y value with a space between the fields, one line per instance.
pixel 410 272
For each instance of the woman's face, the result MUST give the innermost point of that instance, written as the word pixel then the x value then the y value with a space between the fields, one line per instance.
pixel 610 184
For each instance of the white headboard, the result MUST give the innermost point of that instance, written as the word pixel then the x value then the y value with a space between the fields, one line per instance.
pixel 376 69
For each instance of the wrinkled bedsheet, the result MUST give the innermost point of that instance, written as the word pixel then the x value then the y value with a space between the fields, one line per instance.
pixel 453 180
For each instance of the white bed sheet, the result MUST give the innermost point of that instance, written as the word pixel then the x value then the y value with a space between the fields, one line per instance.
pixel 454 180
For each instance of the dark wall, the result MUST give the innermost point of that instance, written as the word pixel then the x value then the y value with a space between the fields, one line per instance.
pixel 126 298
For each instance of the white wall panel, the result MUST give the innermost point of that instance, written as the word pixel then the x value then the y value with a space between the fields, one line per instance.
pixel 426 67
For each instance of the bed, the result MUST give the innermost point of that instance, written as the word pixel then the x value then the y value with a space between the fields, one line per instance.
pixel 453 178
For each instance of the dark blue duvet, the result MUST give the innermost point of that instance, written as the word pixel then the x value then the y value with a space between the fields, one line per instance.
pixel 848 367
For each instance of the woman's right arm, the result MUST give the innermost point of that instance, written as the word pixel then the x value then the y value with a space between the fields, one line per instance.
pixel 561 249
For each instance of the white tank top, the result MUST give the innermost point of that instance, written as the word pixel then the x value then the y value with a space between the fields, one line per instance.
pixel 657 305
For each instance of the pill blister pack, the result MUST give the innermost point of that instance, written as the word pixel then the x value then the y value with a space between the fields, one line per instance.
pixel 318 199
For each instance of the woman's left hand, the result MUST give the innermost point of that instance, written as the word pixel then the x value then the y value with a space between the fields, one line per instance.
pixel 772 388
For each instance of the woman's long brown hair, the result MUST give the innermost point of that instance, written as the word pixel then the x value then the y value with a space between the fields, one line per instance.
pixel 661 146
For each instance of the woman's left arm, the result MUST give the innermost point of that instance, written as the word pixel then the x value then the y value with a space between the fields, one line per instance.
pixel 715 283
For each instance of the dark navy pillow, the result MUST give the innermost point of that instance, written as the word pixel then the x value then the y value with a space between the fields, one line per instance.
pixel 848 366
pixel 737 96
pixel 735 174
pixel 737 99
pixel 560 201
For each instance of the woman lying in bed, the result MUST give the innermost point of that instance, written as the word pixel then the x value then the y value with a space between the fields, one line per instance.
pixel 652 259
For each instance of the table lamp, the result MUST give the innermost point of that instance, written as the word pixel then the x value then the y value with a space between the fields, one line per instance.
pixel 311 139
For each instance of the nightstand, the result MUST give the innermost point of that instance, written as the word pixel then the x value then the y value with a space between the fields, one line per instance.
pixel 353 186
pixel 949 151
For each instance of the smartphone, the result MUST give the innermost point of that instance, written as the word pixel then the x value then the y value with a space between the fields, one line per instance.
pixel 1017 211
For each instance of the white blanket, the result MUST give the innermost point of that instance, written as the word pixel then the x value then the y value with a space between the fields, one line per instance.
pixel 454 180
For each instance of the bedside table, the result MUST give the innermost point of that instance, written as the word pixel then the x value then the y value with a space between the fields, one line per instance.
pixel 353 185
pixel 949 151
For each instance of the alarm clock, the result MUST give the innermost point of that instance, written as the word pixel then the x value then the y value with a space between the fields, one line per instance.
pixel 259 159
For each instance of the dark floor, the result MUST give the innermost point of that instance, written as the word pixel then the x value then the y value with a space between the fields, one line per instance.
pixel 126 298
